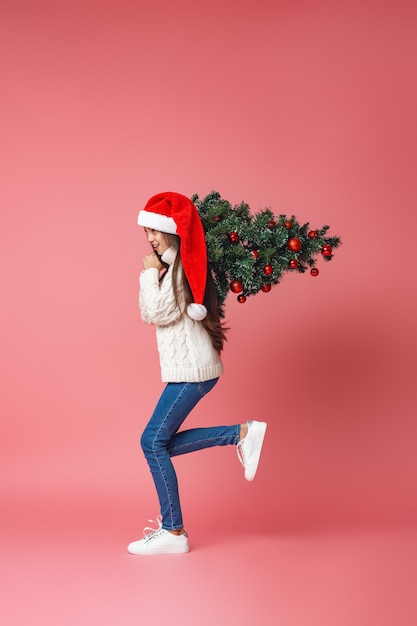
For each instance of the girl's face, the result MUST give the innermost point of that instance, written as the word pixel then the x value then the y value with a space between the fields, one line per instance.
pixel 157 240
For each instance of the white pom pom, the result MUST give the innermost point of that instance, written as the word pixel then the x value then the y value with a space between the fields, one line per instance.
pixel 197 311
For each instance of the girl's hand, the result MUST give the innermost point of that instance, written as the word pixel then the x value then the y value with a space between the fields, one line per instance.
pixel 151 260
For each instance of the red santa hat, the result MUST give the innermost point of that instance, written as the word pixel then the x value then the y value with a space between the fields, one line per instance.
pixel 174 213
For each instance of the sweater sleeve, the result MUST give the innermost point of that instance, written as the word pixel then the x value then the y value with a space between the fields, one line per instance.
pixel 156 299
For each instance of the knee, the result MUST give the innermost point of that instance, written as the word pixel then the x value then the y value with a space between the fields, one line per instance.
pixel 146 442
pixel 152 442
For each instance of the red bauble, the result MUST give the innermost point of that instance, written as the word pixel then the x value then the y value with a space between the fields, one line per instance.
pixel 234 237
pixel 268 269
pixel 272 224
pixel 241 298
pixel 313 234
pixel 326 250
pixel 294 244
pixel 217 218
pixel 266 288
pixel 236 286
pixel 314 271
pixel 255 254
pixel 293 264
pixel 288 224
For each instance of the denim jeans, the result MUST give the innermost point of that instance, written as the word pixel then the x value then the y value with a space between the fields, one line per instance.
pixel 160 441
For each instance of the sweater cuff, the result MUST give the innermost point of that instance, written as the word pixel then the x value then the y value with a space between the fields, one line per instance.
pixel 149 276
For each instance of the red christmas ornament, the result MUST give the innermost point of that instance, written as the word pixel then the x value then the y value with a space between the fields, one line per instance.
pixel 326 250
pixel 293 264
pixel 268 269
pixel 294 244
pixel 241 298
pixel 313 234
pixel 236 286
pixel 314 271
pixel 266 288
pixel 234 237
pixel 255 254
pixel 217 218
pixel 271 224
pixel 288 224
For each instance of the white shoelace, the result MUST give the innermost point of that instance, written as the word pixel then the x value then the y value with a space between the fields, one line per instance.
pixel 241 452
pixel 148 531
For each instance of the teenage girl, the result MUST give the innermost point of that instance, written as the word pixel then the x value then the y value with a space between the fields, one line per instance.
pixel 177 295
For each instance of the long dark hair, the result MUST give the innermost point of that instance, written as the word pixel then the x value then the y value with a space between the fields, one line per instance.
pixel 212 322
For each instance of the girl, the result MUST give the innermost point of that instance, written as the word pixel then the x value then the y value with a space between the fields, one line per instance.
pixel 177 294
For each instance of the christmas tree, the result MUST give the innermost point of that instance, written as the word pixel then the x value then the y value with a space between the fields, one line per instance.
pixel 249 253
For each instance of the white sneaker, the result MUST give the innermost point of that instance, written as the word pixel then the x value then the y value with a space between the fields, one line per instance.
pixel 249 448
pixel 159 541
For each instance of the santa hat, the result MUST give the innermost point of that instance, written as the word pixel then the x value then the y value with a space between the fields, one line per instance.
pixel 174 213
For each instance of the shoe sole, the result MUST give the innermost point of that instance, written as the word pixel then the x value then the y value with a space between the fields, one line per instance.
pixel 260 436
pixel 162 550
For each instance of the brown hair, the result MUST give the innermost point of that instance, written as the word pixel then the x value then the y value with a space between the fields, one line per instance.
pixel 212 322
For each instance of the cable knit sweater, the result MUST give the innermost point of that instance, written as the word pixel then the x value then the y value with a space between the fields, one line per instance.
pixel 185 350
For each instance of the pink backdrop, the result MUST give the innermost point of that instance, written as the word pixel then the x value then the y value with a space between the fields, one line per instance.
pixel 305 107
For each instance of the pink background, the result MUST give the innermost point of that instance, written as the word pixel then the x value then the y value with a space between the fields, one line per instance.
pixel 305 107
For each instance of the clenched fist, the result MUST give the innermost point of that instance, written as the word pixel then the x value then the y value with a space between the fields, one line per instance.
pixel 151 260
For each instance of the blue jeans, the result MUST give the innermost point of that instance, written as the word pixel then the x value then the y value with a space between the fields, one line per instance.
pixel 160 441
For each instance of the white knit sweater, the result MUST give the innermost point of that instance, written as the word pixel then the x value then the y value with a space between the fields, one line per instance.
pixel 185 350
